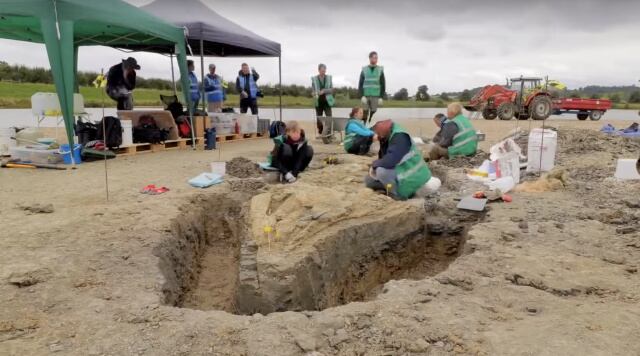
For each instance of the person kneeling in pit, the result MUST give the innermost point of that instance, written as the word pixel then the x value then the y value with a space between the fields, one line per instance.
pixel 456 137
pixel 400 169
pixel 358 138
pixel 291 153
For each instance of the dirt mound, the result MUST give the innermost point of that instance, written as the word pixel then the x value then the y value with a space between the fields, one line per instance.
pixel 581 141
pixel 586 141
pixel 466 162
pixel 241 167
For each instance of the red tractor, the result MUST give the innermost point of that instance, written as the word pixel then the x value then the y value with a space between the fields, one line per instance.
pixel 523 98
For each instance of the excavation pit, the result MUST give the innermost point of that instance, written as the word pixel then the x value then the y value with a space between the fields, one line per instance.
pixel 302 249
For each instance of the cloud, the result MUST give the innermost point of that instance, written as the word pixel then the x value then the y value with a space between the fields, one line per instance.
pixel 448 45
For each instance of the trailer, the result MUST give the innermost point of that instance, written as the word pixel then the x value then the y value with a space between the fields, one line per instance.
pixel 583 108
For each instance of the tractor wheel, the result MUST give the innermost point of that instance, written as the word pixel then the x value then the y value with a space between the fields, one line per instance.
pixel 595 115
pixel 506 111
pixel 582 115
pixel 489 114
pixel 540 107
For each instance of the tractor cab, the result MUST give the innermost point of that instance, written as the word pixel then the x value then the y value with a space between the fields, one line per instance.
pixel 525 85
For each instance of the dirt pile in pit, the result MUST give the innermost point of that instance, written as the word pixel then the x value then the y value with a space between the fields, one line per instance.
pixel 466 162
pixel 241 167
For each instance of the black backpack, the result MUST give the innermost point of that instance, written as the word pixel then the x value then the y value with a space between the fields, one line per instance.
pixel 176 109
pixel 147 131
pixel 112 130
pixel 86 131
pixel 276 129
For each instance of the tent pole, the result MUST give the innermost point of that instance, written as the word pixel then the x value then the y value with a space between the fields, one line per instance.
pixel 202 72
pixel 280 79
pixel 173 77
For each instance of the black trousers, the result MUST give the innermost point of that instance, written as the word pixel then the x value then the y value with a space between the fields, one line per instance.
pixel 322 109
pixel 361 145
pixel 247 103
pixel 288 159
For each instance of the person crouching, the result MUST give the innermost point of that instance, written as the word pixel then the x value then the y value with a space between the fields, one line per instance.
pixel 358 138
pixel 400 169
pixel 291 153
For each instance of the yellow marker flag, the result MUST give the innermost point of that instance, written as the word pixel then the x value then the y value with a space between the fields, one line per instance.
pixel 100 81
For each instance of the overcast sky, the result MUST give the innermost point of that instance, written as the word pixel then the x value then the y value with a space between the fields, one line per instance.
pixel 447 44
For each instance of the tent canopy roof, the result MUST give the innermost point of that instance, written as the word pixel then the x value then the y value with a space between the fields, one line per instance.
pixel 107 22
pixel 220 36
pixel 64 25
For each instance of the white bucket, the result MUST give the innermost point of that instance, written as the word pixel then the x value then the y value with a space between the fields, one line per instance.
pixel 219 168
pixel 127 132
pixel 5 140
pixel 626 169
pixel 541 152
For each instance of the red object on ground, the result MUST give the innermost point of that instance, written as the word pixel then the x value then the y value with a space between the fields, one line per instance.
pixel 507 198
pixel 152 190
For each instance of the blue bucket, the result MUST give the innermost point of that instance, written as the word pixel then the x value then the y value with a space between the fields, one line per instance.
pixel 66 154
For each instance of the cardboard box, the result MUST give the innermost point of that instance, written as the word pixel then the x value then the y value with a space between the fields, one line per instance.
pixel 200 124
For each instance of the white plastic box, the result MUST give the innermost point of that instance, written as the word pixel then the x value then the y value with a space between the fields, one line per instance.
pixel 127 132
pixel 224 123
pixel 6 140
pixel 33 155
pixel 248 123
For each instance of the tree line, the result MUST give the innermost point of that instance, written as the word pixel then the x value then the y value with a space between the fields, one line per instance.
pixel 24 74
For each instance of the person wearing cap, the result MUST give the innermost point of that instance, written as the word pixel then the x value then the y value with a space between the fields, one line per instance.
pixel 400 170
pixel 371 87
pixel 121 81
pixel 322 87
pixel 247 86
pixel 194 87
pixel 214 89
pixel 456 136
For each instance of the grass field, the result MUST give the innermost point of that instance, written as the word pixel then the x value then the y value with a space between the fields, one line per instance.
pixel 18 95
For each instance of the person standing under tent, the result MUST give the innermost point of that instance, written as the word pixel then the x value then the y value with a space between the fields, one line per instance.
pixel 247 86
pixel 214 90
pixel 194 87
pixel 322 87
pixel 371 87
pixel 121 81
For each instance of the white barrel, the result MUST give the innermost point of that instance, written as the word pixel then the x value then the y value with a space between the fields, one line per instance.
pixel 127 132
pixel 626 169
pixel 5 140
pixel 541 150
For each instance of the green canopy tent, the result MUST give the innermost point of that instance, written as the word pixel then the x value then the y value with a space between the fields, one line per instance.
pixel 65 25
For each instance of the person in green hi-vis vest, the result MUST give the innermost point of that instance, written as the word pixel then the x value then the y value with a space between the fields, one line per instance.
pixel 457 136
pixel 400 170
pixel 371 87
pixel 323 91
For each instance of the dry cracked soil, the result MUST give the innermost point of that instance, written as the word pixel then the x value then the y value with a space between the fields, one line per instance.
pixel 324 266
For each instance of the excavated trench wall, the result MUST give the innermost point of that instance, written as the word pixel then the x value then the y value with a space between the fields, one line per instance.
pixel 211 262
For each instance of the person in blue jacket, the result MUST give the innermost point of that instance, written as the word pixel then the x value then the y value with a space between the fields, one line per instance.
pixel 358 138
pixel 214 90
pixel 247 86
pixel 194 87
